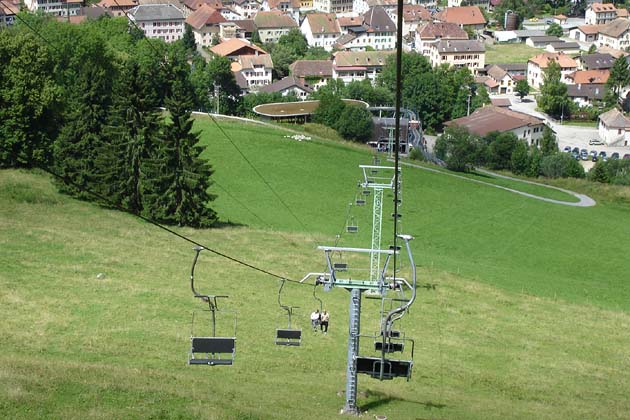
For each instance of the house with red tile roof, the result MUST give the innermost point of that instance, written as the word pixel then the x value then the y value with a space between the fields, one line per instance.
pixel 8 10
pixel 588 77
pixel 492 118
pixel 600 13
pixel 467 17
pixel 585 33
pixel 321 30
pixel 537 65
pixel 256 69
pixel 235 48
pixel 117 7
pixel 205 24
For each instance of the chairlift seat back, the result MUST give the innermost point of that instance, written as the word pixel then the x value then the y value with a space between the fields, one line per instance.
pixel 352 229
pixel 214 346
pixel 360 202
pixel 389 347
pixel 287 337
pixel 392 368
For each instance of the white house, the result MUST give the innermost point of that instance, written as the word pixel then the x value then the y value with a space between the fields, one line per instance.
pixel 480 3
pixel 537 65
pixel 287 86
pixel 458 54
pixel 585 33
pixel 614 128
pixel 205 23
pixel 492 118
pixel 377 31
pixel 246 8
pixel 55 7
pixel 333 6
pixel 358 65
pixel 321 30
pixel 272 25
pixel 598 13
pixel 256 69
pixel 159 21
pixel 433 32
pixel 505 82
pixel 615 34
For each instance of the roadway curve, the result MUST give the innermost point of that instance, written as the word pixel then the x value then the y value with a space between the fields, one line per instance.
pixel 584 200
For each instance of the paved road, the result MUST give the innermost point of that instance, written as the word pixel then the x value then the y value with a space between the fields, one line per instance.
pixel 567 135
pixel 584 201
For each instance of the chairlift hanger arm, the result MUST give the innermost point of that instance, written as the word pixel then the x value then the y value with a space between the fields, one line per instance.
pixel 388 319
pixel 210 299
pixel 361 250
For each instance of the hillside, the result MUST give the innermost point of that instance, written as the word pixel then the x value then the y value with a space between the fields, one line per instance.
pixel 526 319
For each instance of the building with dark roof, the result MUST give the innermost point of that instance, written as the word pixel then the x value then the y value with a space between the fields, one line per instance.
pixel 314 73
pixel 597 61
pixel 287 86
pixel 159 21
pixel 458 54
pixel 432 32
pixel 205 24
pixel 587 94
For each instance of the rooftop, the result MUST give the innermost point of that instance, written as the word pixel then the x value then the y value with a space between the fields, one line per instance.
pixel 156 12
pixel 463 15
pixel 274 19
pixel 492 118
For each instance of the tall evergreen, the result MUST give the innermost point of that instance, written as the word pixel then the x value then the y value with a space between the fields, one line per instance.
pixel 87 106
pixel 29 100
pixel 132 132
pixel 178 177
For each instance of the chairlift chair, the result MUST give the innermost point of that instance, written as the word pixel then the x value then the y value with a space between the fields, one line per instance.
pixel 352 227
pixel 287 336
pixel 209 350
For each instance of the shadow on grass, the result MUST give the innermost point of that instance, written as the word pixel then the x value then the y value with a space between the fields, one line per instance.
pixel 220 224
pixel 381 399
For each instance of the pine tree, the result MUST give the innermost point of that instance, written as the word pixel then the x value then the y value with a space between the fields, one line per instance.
pixel 131 134
pixel 89 99
pixel 178 178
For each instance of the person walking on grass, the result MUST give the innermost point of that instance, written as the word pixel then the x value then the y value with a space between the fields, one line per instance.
pixel 323 323
pixel 315 318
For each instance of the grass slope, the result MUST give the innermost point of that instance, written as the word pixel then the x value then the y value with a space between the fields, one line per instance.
pixel 510 53
pixel 527 329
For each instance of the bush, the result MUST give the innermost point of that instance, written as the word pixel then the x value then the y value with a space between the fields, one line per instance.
pixel 561 165
pixel 416 154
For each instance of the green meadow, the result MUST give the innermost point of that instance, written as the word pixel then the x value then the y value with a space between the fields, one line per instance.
pixel 523 307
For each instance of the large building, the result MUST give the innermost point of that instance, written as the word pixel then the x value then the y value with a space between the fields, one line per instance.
pixel 55 7
pixel 321 30
pixel 272 25
pixel 536 67
pixel 159 21
pixel 359 65
pixel 458 54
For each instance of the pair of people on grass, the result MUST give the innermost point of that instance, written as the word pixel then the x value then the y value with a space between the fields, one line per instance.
pixel 320 320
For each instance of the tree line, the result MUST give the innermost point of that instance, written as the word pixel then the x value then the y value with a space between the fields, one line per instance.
pixel 86 101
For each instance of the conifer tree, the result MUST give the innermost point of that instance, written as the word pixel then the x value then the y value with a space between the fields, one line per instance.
pixel 178 177
pixel 87 105
pixel 131 134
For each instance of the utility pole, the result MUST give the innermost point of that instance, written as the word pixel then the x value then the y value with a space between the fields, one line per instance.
pixel 217 98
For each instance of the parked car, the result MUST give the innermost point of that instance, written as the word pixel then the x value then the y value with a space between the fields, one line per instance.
pixel 603 156
pixel 594 158
pixel 626 156
pixel 584 154
pixel 595 142
pixel 593 153
pixel 614 156
pixel 575 151
pixel 567 149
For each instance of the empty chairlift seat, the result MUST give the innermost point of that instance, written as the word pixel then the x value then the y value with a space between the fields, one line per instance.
pixel 287 337
pixel 212 348
pixel 392 368
pixel 389 346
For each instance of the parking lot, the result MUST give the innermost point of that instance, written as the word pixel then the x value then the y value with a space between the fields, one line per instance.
pixel 567 135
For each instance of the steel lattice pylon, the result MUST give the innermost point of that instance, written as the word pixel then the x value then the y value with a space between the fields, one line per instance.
pixel 377 224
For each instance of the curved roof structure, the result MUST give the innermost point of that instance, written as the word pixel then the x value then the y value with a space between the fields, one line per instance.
pixel 295 109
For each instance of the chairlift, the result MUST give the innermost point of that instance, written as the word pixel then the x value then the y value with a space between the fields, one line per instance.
pixel 359 201
pixel 208 350
pixel 396 215
pixel 390 340
pixel 352 227
pixel 287 336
